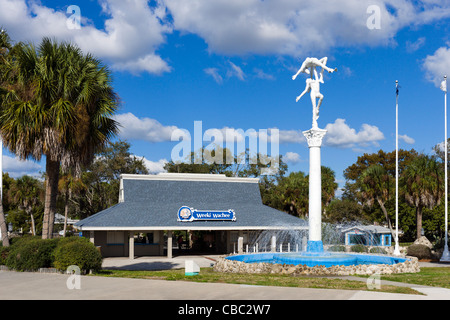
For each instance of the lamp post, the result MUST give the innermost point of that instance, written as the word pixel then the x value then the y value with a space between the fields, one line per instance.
pixel 396 248
pixel 445 255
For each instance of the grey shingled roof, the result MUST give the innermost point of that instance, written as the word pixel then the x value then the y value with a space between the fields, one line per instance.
pixel 154 204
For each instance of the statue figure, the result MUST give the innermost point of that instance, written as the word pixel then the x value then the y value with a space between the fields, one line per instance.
pixel 312 63
pixel 313 83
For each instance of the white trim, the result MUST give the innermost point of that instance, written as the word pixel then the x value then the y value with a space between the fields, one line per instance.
pixel 189 177
pixel 189 227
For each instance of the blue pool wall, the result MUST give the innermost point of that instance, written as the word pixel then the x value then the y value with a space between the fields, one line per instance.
pixel 327 261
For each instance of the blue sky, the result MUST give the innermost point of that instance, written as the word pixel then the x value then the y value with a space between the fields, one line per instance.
pixel 229 64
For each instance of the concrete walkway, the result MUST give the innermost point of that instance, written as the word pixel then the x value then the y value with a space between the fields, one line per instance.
pixel 157 263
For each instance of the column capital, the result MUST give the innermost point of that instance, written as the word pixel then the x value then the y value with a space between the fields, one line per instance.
pixel 314 136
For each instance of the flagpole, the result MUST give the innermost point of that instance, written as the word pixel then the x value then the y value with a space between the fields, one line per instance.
pixel 445 255
pixel 396 249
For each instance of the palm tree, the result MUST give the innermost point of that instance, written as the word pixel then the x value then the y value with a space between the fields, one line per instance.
pixel 293 193
pixel 329 187
pixel 67 185
pixel 5 47
pixel 27 193
pixel 375 184
pixel 58 105
pixel 423 184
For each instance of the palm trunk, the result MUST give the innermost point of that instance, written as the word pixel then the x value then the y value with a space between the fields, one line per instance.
pixel 51 191
pixel 33 225
pixel 419 221
pixel 387 217
pixel 3 228
pixel 66 208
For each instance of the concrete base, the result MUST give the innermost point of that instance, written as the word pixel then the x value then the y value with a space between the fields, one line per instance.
pixel 445 255
pixel 191 268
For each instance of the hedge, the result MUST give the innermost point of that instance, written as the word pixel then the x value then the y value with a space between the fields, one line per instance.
pixel 419 251
pixel 80 252
pixel 359 248
pixel 33 253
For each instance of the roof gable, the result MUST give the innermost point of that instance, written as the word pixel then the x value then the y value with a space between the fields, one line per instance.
pixel 153 202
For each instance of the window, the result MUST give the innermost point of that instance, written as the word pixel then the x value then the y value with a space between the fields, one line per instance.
pixel 357 239
pixel 114 237
pixel 387 239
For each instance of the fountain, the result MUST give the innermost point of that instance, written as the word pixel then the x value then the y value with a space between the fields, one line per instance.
pixel 312 254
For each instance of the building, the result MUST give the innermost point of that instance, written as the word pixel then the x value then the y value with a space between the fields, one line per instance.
pixel 369 235
pixel 59 219
pixel 224 213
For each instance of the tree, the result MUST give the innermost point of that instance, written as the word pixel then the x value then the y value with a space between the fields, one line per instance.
pixel 100 180
pixel 27 192
pixel 67 185
pixel 5 47
pixel 382 158
pixel 386 160
pixel 57 104
pixel 220 161
pixel 375 184
pixel 422 183
pixel 329 187
pixel 344 210
pixel 293 192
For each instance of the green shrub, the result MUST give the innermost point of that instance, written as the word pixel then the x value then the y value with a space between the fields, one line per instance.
pixel 337 248
pixel 77 251
pixel 378 250
pixel 359 248
pixel 4 252
pixel 31 253
pixel 419 251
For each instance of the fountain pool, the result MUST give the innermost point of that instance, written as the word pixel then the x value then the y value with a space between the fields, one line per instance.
pixel 328 259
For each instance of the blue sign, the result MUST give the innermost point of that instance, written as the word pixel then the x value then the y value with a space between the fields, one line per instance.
pixel 186 214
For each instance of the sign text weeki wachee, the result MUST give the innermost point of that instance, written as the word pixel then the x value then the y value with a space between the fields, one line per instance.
pixel 187 214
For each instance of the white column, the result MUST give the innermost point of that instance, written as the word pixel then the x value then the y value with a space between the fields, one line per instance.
pixel 396 247
pixel 314 137
pixel 273 243
pixel 169 244
pixel 131 245
pixel 446 254
pixel 240 242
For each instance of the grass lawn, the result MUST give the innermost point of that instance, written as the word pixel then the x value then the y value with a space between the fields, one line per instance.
pixel 435 277
pixel 208 275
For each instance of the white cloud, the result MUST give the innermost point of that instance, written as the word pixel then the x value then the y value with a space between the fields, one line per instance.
pixel 341 135
pixel 291 157
pixel 407 139
pixel 235 71
pixel 292 136
pixel 297 27
pixel 437 65
pixel 214 72
pixel 231 70
pixel 416 45
pixel 145 128
pixel 150 63
pixel 17 168
pixel 155 167
pixel 260 74
pixel 132 31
